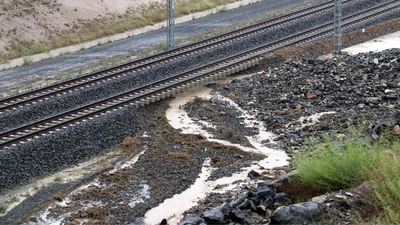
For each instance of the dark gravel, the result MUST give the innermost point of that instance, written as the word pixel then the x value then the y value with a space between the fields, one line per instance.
pixel 353 87
pixel 67 147
pixel 360 90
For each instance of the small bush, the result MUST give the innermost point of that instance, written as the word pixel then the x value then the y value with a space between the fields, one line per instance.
pixel 28 60
pixel 386 179
pixel 3 209
pixel 162 46
pixel 336 164
pixel 14 199
pixel 345 163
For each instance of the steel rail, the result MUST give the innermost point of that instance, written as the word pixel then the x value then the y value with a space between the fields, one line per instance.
pixel 178 82
pixel 33 96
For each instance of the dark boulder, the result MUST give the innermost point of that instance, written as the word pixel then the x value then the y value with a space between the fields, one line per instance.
pixel 217 215
pixel 281 199
pixel 248 204
pixel 265 193
pixel 302 213
pixel 253 174
pixel 239 215
pixel 239 200
pixel 192 221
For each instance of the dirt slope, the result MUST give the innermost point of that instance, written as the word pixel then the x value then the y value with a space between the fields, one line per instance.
pixel 46 17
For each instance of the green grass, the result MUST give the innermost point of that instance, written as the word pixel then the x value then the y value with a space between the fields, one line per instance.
pixel 3 209
pixel 14 199
pixel 58 179
pixel 335 164
pixel 386 179
pixel 338 163
pixel 28 61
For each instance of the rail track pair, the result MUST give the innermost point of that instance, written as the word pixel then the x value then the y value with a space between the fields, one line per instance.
pixel 172 85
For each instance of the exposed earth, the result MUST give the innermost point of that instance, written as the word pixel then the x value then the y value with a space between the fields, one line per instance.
pixel 45 18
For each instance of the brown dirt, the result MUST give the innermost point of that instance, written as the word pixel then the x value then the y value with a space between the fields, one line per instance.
pixel 299 192
pixel 96 215
pixel 39 23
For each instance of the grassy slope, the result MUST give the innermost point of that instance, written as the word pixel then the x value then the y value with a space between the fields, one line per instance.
pixel 94 29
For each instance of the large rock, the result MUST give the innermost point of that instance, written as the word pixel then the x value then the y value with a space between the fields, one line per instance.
pixel 247 204
pixel 217 215
pixel 381 124
pixel 281 199
pixel 265 192
pixel 302 213
pixel 239 200
pixel 193 221
pixel 239 215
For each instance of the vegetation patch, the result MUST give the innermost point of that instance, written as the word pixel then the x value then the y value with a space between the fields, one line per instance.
pixel 334 163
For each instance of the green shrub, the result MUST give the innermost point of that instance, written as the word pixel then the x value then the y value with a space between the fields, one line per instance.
pixel 332 164
pixel 28 60
pixel 3 209
pixel 335 164
pixel 162 46
pixel 58 179
pixel 386 179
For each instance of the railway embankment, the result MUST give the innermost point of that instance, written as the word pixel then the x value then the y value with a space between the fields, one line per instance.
pixel 351 89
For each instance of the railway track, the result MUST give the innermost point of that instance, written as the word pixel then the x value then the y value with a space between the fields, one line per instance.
pixel 39 95
pixel 170 86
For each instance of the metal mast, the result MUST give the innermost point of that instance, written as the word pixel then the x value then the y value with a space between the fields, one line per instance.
pixel 171 24
pixel 337 30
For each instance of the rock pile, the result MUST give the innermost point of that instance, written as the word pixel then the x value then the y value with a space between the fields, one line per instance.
pixel 352 88
pixel 254 207
pixel 356 89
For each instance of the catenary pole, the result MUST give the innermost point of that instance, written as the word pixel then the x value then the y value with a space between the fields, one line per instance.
pixel 171 24
pixel 337 27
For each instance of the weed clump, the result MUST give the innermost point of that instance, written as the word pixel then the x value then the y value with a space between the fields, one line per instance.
pixel 338 163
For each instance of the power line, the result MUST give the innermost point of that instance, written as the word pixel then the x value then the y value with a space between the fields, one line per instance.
pixel 34 7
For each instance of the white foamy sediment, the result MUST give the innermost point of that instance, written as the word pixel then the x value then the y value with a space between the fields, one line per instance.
pixel 172 209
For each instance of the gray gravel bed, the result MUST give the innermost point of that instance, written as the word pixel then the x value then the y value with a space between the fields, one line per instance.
pixel 67 147
pixel 358 89
pixel 69 101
